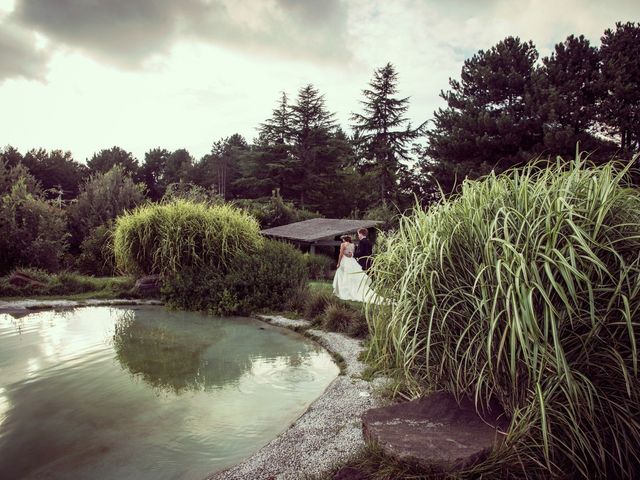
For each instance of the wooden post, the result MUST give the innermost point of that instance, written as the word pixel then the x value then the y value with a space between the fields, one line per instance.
pixel 312 249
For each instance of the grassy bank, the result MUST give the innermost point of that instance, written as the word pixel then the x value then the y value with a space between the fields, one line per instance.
pixel 67 286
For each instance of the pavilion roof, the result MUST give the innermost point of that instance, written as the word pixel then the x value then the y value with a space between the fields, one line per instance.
pixel 315 229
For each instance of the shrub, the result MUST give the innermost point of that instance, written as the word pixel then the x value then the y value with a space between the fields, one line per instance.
pixel 317 303
pixel 269 278
pixel 266 279
pixel 96 252
pixel 66 283
pixel 33 231
pixel 319 267
pixel 167 239
pixel 274 211
pixel 103 197
pixel 525 289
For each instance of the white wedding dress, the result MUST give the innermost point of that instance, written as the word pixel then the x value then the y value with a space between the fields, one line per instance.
pixel 351 282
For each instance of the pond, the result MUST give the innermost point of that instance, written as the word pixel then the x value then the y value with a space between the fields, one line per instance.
pixel 105 392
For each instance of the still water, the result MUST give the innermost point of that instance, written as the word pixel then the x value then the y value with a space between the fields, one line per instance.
pixel 135 393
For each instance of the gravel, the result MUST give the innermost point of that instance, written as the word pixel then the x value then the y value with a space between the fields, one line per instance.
pixel 329 432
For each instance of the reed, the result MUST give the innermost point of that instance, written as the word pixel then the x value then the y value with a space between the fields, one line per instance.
pixel 525 289
pixel 166 238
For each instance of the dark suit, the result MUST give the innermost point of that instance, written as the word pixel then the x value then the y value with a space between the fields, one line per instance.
pixel 363 253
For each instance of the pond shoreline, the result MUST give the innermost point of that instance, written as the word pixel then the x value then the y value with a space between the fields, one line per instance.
pixel 329 433
pixel 326 435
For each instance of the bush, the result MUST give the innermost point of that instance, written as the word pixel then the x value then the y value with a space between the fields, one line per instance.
pixel 33 231
pixel 96 252
pixel 319 267
pixel 274 211
pixel 266 279
pixel 66 283
pixel 168 239
pixel 525 289
pixel 341 317
pixel 103 197
pixel 316 304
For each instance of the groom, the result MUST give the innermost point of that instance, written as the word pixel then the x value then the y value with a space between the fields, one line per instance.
pixel 364 249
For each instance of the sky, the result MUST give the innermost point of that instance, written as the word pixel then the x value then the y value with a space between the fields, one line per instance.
pixel 83 75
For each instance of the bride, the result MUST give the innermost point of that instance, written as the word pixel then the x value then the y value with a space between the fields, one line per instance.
pixel 350 281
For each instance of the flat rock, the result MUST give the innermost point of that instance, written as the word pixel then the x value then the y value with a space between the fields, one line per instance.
pixel 435 432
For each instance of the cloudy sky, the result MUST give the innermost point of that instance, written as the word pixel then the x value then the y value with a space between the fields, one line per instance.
pixel 82 75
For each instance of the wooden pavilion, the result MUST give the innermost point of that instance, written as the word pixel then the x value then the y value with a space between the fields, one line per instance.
pixel 319 231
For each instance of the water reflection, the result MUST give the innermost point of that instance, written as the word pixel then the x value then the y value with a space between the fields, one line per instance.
pixel 79 392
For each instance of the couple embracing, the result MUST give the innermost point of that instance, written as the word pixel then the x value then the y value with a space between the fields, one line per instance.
pixel 351 281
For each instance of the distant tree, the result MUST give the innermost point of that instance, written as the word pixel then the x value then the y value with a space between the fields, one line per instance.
pixel 489 122
pixel 11 174
pixel 178 167
pixel 221 167
pixel 104 196
pixel 620 111
pixel 152 172
pixel 11 156
pixel 58 173
pixel 106 159
pixel 312 128
pixel 568 92
pixel 161 168
pixel 383 131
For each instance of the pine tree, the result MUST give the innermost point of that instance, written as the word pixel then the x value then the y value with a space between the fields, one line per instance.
pixel 489 122
pixel 383 131
pixel 312 126
pixel 620 54
pixel 568 93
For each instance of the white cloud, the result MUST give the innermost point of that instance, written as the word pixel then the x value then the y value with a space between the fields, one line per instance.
pixel 194 84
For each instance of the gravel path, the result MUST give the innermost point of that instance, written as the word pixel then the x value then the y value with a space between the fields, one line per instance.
pixel 329 432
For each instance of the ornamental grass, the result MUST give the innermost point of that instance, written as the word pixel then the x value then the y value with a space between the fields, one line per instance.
pixel 524 289
pixel 167 238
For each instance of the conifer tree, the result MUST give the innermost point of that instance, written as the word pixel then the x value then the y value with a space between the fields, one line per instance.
pixel 383 131
pixel 620 54
pixel 490 122
pixel 568 92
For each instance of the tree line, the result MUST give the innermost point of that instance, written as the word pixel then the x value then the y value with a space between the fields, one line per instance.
pixel 508 107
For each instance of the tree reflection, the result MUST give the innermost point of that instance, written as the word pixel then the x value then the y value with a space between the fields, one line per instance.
pixel 171 358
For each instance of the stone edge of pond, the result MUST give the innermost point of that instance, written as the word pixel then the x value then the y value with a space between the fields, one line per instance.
pixel 330 431
pixel 16 307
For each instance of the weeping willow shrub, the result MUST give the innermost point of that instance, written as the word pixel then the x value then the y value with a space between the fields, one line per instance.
pixel 167 238
pixel 525 289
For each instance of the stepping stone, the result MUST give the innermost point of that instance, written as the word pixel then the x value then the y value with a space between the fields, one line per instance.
pixel 435 432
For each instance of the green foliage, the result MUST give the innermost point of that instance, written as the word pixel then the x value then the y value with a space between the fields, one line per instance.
pixel 525 289
pixel 388 214
pixel 343 318
pixel 11 174
pixel 489 121
pixel 383 131
pixel 67 284
pixel 33 231
pixel 620 109
pixel 316 304
pixel 265 279
pixel 57 172
pixel 274 211
pixel 103 197
pixel 269 278
pixel 190 193
pixel 319 267
pixel 106 159
pixel 166 239
pixel 96 252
